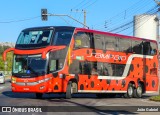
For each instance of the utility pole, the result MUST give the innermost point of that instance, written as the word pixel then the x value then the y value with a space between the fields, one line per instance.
pixel 84 11
pixel 84 15
pixel 158 3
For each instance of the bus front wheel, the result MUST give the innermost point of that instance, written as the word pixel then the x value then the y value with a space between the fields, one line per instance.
pixel 71 88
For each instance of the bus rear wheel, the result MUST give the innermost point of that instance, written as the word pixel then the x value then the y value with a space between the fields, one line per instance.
pixel 130 91
pixel 39 95
pixel 138 91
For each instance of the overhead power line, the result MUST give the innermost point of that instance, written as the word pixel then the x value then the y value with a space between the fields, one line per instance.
pixel 130 23
pixel 82 5
pixel 125 16
pixel 78 4
pixel 91 4
pixel 21 20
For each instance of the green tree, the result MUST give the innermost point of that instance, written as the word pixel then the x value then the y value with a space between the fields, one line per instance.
pixel 9 59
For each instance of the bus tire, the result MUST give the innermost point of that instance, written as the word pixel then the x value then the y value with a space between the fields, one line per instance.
pixel 39 95
pixel 69 90
pixel 138 91
pixel 130 91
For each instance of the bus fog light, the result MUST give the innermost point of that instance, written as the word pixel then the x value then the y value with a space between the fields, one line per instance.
pixel 13 80
pixel 61 75
pixel 41 87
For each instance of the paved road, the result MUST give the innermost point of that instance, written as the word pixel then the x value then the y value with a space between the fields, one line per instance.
pixel 80 103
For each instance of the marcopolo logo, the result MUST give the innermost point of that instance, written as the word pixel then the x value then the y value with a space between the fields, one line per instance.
pixel 108 56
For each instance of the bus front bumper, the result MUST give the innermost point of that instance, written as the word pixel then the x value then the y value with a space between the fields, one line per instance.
pixel 40 86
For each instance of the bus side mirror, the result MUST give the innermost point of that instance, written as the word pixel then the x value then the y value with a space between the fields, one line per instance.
pixel 6 51
pixel 44 55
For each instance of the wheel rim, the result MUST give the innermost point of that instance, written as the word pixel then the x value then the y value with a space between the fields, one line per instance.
pixel 130 91
pixel 139 90
pixel 73 88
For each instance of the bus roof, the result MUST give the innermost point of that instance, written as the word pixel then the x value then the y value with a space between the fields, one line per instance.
pixel 114 34
pixel 50 27
pixel 93 31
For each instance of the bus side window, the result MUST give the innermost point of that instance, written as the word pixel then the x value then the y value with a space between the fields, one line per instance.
pixel 99 41
pixel 75 67
pixel 94 69
pixel 153 48
pixel 111 43
pixel 146 48
pixel 137 47
pixel 85 68
pixel 82 40
pixel 53 65
pixel 125 45
pixel 57 59
pixel 107 69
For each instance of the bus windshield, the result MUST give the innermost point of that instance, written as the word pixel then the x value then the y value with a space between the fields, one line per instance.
pixel 29 65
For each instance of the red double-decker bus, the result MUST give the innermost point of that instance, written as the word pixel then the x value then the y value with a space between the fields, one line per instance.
pixel 78 60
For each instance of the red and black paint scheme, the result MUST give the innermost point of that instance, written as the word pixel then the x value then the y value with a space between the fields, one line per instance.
pixel 77 60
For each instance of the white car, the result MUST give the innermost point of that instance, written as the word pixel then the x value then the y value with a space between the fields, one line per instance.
pixel 2 78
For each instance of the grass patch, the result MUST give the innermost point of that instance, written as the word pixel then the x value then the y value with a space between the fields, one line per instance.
pixel 155 98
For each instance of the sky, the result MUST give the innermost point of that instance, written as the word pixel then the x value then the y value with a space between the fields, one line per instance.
pixel 104 15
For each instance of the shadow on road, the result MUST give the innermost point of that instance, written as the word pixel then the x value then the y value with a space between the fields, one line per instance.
pixel 70 105
pixel 61 96
pixel 53 96
pixel 101 110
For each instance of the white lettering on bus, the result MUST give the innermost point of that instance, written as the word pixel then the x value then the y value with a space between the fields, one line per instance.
pixel 107 56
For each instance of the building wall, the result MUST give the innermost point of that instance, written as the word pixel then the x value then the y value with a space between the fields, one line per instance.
pixel 146 26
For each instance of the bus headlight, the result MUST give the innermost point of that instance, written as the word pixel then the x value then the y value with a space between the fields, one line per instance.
pixel 13 80
pixel 41 81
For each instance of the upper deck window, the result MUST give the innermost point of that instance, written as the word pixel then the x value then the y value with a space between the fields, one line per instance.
pixel 62 37
pixel 111 43
pixel 34 38
pixel 99 41
pixel 82 40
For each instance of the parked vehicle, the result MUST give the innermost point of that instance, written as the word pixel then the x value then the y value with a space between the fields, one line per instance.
pixel 2 78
